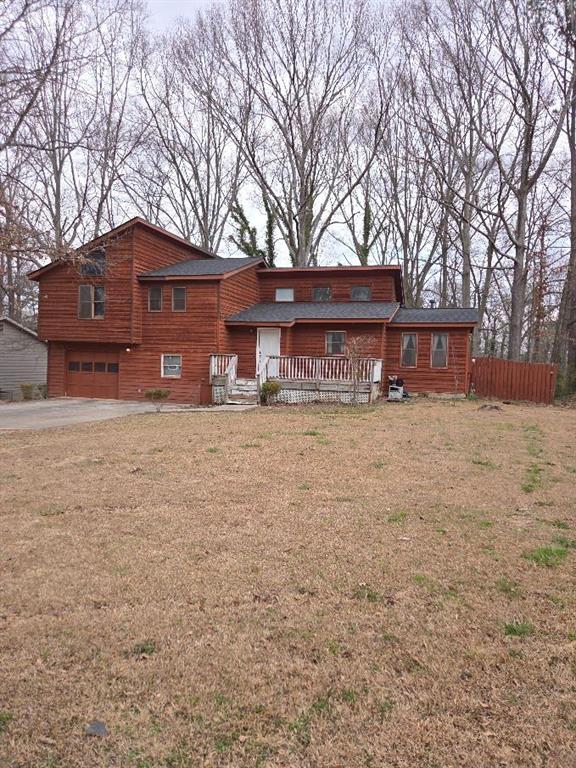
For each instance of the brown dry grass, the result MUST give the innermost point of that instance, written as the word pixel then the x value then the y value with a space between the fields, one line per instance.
pixel 308 587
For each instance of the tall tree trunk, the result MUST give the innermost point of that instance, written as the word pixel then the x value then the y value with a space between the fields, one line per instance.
pixel 518 293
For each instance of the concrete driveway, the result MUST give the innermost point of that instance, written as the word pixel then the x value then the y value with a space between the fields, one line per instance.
pixel 62 411
pixel 59 412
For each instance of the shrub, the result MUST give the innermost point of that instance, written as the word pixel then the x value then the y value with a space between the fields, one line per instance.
pixel 27 391
pixel 157 397
pixel 42 390
pixel 268 391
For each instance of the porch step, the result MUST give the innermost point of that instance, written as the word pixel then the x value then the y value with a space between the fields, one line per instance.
pixel 240 398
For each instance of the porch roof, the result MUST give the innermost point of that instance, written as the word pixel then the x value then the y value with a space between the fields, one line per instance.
pixel 440 316
pixel 289 312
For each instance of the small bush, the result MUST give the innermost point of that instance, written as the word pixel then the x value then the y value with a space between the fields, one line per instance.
pixel 42 390
pixel 157 397
pixel 27 391
pixel 268 391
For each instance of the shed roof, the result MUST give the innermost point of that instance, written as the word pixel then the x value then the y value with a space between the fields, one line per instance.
pixel 200 268
pixel 429 316
pixel 290 312
pixel 20 327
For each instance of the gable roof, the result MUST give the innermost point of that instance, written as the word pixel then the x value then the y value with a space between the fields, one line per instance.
pixel 22 328
pixel 135 221
pixel 429 316
pixel 200 268
pixel 292 311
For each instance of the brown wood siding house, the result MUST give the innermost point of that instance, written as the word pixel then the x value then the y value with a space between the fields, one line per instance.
pixel 140 308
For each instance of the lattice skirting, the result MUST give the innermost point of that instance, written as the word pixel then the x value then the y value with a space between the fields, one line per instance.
pixel 314 396
pixel 218 394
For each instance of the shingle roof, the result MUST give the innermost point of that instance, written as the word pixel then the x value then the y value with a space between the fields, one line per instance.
pixel 287 312
pixel 199 267
pixel 434 316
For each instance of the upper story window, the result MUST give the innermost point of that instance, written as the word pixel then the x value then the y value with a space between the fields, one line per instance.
pixel 409 350
pixel 93 264
pixel 360 293
pixel 91 300
pixel 155 298
pixel 335 342
pixel 179 298
pixel 284 294
pixel 439 351
pixel 322 293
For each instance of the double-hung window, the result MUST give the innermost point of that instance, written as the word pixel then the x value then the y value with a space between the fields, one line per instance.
pixel 179 298
pixel 409 350
pixel 91 301
pixel 155 298
pixel 171 366
pixel 439 351
pixel 335 342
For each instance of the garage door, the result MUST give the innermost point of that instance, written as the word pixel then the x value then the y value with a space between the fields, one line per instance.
pixel 92 374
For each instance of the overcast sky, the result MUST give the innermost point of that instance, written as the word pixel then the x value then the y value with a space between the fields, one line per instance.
pixel 162 13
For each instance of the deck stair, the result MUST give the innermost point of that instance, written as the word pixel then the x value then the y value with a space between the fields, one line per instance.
pixel 243 391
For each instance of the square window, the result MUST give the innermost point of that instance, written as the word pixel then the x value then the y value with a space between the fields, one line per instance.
pixel 322 293
pixel 93 264
pixel 439 356
pixel 155 298
pixel 171 366
pixel 284 294
pixel 99 367
pixel 409 350
pixel 360 293
pixel 179 299
pixel 335 342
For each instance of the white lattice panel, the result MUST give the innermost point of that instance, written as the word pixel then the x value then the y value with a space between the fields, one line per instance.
pixel 218 394
pixel 312 396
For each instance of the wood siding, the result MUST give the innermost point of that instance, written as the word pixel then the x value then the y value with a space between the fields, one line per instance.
pixel 23 360
pixel 58 299
pixel 383 286
pixel 452 379
pixel 236 292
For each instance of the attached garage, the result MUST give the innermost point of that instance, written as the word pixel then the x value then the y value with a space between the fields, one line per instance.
pixel 92 374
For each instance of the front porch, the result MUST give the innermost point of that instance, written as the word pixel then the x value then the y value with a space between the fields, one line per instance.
pixel 302 379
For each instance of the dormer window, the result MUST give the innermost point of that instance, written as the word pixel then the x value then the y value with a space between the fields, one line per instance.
pixel 93 264
pixel 322 293
pixel 284 294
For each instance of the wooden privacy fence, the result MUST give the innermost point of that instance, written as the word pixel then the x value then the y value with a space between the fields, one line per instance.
pixel 508 380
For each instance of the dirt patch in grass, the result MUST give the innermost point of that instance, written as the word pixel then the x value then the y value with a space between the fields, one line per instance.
pixel 230 590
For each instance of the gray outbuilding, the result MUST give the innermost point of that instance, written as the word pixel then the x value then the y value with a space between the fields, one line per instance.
pixel 23 359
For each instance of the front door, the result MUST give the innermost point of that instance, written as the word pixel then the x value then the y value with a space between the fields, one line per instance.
pixel 268 343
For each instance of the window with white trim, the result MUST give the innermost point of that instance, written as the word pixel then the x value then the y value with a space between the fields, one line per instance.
pixel 335 342
pixel 171 366
pixel 91 300
pixel 284 294
pixel 439 350
pixel 409 350
pixel 155 298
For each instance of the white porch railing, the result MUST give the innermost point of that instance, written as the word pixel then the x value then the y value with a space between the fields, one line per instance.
pixel 300 368
pixel 222 365
pixel 227 366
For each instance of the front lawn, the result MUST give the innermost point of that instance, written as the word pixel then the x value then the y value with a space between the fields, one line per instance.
pixel 390 587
